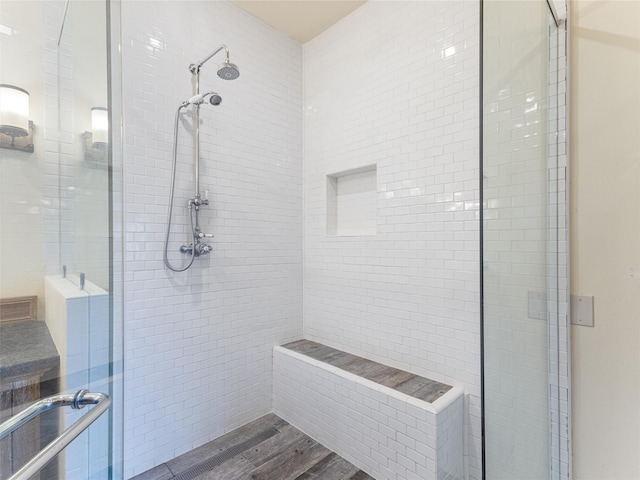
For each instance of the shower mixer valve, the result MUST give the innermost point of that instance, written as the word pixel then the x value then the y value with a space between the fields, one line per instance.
pixel 197 202
pixel 201 248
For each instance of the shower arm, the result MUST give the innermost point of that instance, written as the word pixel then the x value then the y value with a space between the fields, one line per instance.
pixel 194 68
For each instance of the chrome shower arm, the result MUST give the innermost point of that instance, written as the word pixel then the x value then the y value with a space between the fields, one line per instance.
pixel 195 67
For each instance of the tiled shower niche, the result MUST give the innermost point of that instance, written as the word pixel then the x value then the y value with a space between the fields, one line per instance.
pixel 351 202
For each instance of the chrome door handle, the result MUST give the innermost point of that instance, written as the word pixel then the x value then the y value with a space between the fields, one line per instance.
pixel 76 401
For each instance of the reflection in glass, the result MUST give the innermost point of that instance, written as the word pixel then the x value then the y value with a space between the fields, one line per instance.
pixel 55 229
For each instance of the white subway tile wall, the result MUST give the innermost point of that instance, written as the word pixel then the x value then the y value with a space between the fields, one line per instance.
pixel 386 433
pixel 450 441
pixel 396 84
pixel 198 344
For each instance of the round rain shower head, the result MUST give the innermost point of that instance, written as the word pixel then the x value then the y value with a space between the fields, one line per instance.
pixel 228 71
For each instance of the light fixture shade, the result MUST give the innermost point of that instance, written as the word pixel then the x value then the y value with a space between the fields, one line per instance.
pixel 14 111
pixel 100 125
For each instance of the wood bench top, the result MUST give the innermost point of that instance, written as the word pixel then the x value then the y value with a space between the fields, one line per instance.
pixel 414 385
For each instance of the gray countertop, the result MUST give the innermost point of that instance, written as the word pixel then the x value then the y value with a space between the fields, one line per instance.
pixel 26 348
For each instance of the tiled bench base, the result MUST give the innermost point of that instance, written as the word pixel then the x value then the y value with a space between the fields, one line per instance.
pixel 388 433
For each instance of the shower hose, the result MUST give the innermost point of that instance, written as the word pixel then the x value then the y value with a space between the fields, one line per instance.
pixel 171 195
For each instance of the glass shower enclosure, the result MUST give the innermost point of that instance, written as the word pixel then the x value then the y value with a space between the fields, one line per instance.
pixel 524 250
pixel 59 350
pixel 60 314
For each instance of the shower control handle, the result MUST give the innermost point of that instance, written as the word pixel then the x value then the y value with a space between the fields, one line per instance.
pixel 203 248
pixel 205 235
pixel 197 202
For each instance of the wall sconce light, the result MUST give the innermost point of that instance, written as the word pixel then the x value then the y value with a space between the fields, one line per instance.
pixel 16 130
pixel 96 141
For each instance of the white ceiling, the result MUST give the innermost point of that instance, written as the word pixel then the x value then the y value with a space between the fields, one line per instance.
pixel 300 19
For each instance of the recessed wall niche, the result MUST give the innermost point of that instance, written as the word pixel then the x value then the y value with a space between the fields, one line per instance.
pixel 351 202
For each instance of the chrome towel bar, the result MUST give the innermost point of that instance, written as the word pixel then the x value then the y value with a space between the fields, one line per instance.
pixel 76 401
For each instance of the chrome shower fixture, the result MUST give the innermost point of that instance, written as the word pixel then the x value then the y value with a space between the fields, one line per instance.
pixel 228 71
pixel 212 97
pixel 197 247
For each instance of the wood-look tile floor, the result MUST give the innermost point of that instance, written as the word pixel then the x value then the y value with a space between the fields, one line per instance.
pixel 266 449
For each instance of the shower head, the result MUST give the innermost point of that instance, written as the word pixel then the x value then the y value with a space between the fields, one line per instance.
pixel 212 97
pixel 228 71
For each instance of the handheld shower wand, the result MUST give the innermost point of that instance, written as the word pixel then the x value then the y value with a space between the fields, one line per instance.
pixel 212 97
pixel 197 247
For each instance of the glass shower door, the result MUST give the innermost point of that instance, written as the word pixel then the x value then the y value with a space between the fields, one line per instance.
pixel 522 188
pixel 56 255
